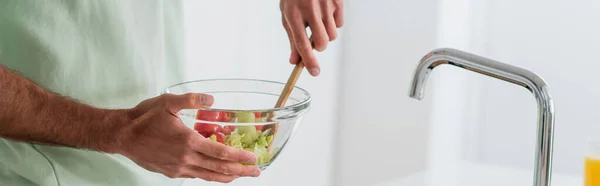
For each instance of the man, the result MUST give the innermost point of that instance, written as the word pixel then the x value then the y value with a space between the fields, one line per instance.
pixel 77 80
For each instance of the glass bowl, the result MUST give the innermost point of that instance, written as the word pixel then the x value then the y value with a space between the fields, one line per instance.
pixel 243 114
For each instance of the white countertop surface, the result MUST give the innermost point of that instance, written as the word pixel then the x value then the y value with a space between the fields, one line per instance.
pixel 461 174
pixel 473 174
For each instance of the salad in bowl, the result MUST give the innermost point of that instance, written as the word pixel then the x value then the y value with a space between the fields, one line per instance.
pixel 243 116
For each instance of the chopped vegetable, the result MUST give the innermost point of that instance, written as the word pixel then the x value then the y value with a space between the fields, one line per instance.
pixel 213 137
pixel 250 138
pixel 245 117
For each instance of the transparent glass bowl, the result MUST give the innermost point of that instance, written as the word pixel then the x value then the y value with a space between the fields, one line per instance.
pixel 243 114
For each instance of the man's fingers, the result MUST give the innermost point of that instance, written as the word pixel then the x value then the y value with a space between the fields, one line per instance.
pixel 330 26
pixel 338 14
pixel 327 10
pixel 189 101
pixel 224 167
pixel 222 152
pixel 303 44
pixel 208 175
pixel 319 33
pixel 294 56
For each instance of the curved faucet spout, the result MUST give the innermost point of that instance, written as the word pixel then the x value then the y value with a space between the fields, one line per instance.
pixel 509 73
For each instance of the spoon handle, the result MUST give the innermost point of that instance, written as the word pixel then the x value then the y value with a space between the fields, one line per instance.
pixel 289 86
pixel 285 94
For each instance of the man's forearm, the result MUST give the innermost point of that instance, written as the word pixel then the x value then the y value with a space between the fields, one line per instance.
pixel 30 113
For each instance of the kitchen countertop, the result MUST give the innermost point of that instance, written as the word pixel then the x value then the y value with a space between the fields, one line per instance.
pixel 474 174
pixel 461 174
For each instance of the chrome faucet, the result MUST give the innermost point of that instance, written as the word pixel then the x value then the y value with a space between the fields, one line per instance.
pixel 512 74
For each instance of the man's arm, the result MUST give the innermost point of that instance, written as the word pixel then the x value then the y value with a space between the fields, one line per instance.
pixel 30 113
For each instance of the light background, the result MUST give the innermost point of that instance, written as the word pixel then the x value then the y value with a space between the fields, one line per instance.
pixel 363 128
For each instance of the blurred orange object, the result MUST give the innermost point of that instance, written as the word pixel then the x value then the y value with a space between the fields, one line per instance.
pixel 592 172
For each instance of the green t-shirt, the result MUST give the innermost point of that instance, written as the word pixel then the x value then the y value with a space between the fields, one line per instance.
pixel 106 53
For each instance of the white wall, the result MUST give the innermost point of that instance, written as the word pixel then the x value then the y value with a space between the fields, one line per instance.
pixel 382 132
pixel 557 40
pixel 245 39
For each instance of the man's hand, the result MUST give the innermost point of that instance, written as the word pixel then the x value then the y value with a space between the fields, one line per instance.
pixel 159 142
pixel 322 16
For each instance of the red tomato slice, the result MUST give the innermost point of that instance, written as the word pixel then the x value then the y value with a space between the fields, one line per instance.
pixel 208 115
pixel 224 130
pixel 220 137
pixel 224 117
pixel 205 134
pixel 209 129
pixel 230 128
pixel 203 130
pixel 258 115
pixel 197 126
pixel 206 128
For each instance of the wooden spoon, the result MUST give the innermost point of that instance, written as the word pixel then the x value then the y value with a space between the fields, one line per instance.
pixel 285 94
